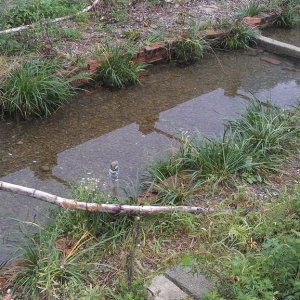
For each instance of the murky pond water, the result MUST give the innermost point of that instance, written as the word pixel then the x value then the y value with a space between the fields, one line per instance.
pixel 290 36
pixel 133 125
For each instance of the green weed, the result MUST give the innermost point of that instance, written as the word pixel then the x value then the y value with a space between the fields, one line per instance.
pixel 267 128
pixel 289 16
pixel 27 12
pixel 33 89
pixel 118 68
pixel 239 37
pixel 250 8
pixel 119 12
pixel 187 50
pixel 263 260
pixel 46 272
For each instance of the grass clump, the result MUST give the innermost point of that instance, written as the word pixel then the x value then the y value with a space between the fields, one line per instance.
pixel 47 271
pixel 33 89
pixel 118 68
pixel 290 15
pixel 187 50
pixel 252 145
pixel 239 37
pixel 268 129
pixel 250 8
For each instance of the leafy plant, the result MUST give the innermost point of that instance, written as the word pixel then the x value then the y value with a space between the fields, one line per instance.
pixel 267 265
pixel 267 128
pixel 289 16
pixel 239 37
pixel 118 68
pixel 250 8
pixel 33 89
pixel 187 50
pixel 46 271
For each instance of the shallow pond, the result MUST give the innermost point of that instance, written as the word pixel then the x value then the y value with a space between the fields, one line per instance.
pixel 133 125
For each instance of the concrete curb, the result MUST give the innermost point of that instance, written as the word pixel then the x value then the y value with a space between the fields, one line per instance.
pixel 278 47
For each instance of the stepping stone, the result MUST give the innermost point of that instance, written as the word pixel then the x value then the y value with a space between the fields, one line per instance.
pixel 161 288
pixel 270 60
pixel 192 284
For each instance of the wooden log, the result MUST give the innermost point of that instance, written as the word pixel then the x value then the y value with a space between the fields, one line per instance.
pixel 25 27
pixel 95 207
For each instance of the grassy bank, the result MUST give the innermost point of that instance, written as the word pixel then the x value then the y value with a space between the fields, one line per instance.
pixel 119 64
pixel 100 256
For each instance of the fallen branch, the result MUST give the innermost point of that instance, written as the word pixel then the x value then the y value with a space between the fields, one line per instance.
pixel 95 207
pixel 25 27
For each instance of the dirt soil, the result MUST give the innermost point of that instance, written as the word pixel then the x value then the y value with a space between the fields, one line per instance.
pixel 149 22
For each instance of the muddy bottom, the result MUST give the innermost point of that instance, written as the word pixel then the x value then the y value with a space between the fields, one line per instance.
pixel 133 125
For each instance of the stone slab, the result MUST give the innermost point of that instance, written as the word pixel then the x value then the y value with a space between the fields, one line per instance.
pixel 270 60
pixel 278 47
pixel 192 284
pixel 161 288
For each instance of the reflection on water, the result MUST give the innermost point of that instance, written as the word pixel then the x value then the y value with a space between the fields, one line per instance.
pixel 133 125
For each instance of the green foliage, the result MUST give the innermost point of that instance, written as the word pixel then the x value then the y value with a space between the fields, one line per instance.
pixel 216 159
pixel 256 142
pixel 33 89
pixel 239 37
pixel 118 69
pixel 46 272
pixel 68 33
pixel 74 222
pixel 289 16
pixel 187 50
pixel 132 35
pixel 267 128
pixel 268 265
pixel 250 8
pixel 119 12
pixel 11 45
pixel 27 12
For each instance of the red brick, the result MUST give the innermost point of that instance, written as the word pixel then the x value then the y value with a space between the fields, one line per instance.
pixel 253 21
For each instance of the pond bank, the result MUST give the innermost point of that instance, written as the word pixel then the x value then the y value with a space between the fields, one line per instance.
pixel 134 125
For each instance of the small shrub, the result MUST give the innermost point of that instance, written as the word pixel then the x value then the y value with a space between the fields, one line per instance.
pixel 250 8
pixel 118 68
pixel 187 50
pixel 289 16
pixel 240 37
pixel 33 89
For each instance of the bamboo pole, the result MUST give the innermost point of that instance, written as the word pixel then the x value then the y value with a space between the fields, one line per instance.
pixel 95 207
pixel 25 27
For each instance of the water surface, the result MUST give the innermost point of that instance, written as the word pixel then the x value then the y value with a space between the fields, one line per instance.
pixel 132 125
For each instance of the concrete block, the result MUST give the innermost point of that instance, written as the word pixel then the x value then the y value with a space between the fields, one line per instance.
pixel 161 288
pixel 194 285
pixel 278 47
